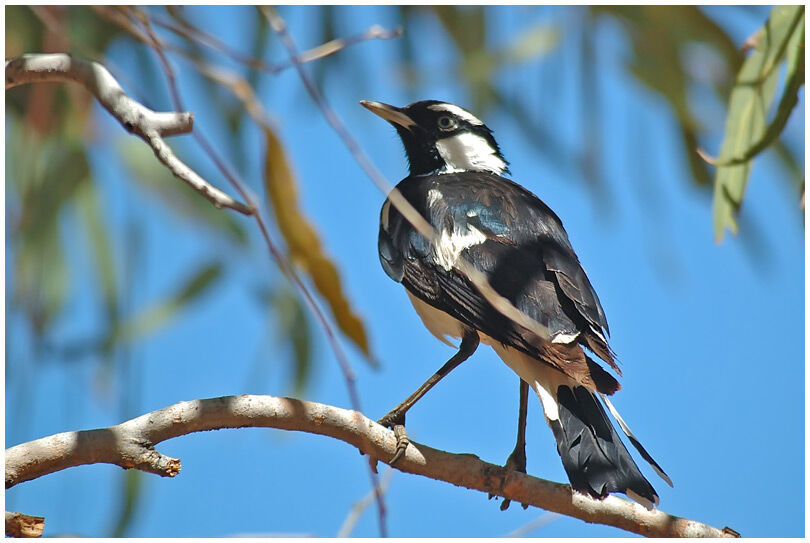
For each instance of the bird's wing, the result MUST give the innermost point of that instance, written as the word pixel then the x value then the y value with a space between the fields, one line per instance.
pixel 516 241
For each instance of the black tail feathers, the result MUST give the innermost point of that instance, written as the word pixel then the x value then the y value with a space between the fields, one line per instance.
pixel 593 455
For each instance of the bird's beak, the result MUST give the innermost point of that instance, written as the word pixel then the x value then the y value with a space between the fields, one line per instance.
pixel 391 114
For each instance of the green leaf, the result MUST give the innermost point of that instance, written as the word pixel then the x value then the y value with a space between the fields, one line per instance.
pixel 535 42
pixel 750 100
pixel 152 318
pixel 47 173
pixel 294 327
pixel 97 233
pixel 794 81
pixel 467 27
pixel 665 32
pixel 304 244
pixel 41 278
pixel 131 493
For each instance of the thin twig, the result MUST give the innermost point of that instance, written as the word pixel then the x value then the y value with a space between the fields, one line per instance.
pixel 356 511
pixel 478 279
pixel 193 33
pixel 199 36
pixel 132 444
pixel 137 119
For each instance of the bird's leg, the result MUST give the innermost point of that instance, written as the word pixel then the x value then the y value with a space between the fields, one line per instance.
pixel 517 460
pixel 395 419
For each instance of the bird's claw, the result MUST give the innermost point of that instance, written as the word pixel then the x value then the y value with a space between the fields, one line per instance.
pixel 515 462
pixel 396 421
pixel 402 443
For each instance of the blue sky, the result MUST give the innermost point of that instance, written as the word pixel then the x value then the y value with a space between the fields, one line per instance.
pixel 710 338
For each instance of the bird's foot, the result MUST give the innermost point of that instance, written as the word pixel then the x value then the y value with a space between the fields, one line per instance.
pixel 515 462
pixel 396 421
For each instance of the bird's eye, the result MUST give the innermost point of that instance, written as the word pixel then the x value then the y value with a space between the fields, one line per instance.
pixel 446 123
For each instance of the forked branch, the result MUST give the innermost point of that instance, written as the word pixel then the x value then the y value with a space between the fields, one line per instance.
pixel 131 445
pixel 150 126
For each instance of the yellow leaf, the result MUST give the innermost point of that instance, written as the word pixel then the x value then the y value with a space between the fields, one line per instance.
pixel 303 242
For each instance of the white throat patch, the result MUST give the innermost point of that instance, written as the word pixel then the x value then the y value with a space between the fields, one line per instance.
pixel 468 151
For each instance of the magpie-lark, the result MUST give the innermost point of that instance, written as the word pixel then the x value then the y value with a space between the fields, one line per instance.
pixel 505 232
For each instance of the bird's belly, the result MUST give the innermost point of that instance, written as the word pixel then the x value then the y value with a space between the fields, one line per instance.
pixel 542 378
pixel 439 323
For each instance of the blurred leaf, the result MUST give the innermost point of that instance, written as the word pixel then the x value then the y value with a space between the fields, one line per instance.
pixel 790 163
pixel 131 492
pixel 698 167
pixel 41 279
pixel 157 180
pixel 258 49
pixel 23 31
pixel 46 174
pixel 304 244
pixel 294 327
pixel 152 318
pixel 534 42
pixel 467 26
pixel 748 106
pixel 89 33
pixel 660 35
pixel 97 234
pixel 327 32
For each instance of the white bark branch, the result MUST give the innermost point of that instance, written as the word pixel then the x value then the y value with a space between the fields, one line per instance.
pixel 151 126
pixel 20 525
pixel 131 445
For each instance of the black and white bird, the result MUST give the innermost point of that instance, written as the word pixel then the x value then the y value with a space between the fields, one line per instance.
pixel 516 241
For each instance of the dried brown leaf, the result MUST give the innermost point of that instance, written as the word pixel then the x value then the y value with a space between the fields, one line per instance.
pixel 304 244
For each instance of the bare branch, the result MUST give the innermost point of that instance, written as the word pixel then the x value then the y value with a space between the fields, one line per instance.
pixel 133 116
pixel 131 445
pixel 137 119
pixel 20 525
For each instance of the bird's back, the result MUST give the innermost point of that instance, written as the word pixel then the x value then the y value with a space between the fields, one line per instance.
pixel 521 247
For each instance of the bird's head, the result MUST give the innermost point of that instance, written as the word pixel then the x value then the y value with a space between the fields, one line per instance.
pixel 442 138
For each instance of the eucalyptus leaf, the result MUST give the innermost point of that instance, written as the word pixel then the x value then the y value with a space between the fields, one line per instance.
pixel 294 329
pixel 304 244
pixel 750 100
pixel 794 81
pixel 58 168
pixel 190 290
pixel 535 42
pixel 131 491
pixel 98 237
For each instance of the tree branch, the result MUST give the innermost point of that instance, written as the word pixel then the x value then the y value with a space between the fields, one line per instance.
pixel 137 119
pixel 131 445
pixel 20 525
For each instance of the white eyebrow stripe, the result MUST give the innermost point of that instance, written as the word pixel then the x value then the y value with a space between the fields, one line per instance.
pixel 459 112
